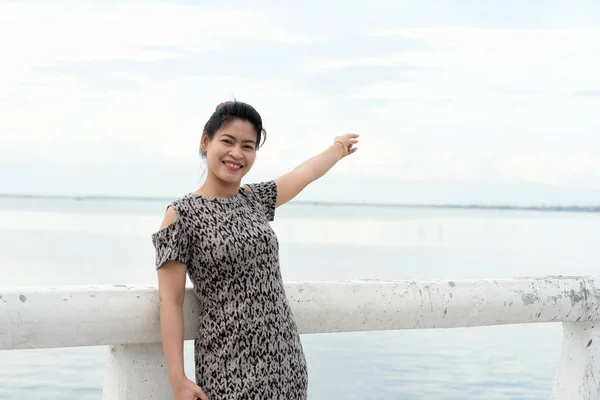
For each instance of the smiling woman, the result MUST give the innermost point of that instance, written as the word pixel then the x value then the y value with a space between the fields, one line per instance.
pixel 248 344
pixel 229 143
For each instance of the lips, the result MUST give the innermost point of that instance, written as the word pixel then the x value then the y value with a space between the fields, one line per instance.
pixel 232 165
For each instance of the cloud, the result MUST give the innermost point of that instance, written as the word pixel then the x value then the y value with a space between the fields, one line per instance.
pixel 75 93
pixel 493 59
pixel 129 31
pixel 587 93
pixel 485 104
pixel 38 39
pixel 111 85
pixel 161 122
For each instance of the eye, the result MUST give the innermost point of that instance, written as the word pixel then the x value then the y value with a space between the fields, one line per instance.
pixel 227 141
pixel 249 147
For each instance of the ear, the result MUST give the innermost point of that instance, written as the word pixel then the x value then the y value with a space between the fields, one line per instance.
pixel 204 142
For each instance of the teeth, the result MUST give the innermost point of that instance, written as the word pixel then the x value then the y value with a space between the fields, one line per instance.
pixel 233 165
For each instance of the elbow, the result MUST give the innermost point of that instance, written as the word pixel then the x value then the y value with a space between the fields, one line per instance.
pixel 171 300
pixel 171 284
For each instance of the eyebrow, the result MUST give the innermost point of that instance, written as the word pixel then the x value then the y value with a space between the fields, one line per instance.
pixel 232 137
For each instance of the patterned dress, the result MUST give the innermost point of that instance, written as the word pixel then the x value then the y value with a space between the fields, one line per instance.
pixel 247 345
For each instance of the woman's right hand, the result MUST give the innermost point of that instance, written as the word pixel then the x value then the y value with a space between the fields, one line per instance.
pixel 188 390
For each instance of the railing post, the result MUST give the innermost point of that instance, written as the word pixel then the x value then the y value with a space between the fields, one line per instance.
pixel 136 371
pixel 578 373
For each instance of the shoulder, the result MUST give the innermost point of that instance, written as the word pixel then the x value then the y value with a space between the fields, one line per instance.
pixel 169 217
pixel 265 194
pixel 177 210
pixel 261 188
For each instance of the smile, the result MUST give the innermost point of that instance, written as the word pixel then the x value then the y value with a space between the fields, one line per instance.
pixel 232 166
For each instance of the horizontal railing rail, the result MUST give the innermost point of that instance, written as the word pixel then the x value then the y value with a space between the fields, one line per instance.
pixel 127 318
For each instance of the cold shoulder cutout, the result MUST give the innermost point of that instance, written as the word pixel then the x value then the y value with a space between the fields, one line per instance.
pixel 171 243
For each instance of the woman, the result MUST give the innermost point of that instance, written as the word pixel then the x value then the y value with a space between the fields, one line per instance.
pixel 247 346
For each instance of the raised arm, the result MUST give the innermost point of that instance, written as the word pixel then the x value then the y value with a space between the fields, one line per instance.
pixel 292 183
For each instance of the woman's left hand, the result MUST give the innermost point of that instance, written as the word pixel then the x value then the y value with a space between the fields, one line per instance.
pixel 348 141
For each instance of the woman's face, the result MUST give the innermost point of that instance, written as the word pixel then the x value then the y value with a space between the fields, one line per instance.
pixel 232 151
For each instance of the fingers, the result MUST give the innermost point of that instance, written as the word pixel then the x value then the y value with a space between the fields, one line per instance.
pixel 350 139
pixel 351 148
pixel 200 394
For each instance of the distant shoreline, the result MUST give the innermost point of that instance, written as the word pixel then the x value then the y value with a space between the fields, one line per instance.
pixel 564 208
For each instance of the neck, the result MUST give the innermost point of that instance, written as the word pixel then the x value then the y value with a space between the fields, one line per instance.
pixel 214 187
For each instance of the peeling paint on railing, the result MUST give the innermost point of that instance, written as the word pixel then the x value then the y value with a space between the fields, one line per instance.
pixel 127 318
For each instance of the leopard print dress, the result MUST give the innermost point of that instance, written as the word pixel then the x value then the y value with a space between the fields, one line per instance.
pixel 247 345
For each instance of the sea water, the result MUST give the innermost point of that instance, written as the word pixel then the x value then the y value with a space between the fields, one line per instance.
pixel 46 241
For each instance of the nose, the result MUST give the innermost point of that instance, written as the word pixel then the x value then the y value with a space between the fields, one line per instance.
pixel 236 153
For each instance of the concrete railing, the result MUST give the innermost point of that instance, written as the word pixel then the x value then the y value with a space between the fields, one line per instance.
pixel 127 319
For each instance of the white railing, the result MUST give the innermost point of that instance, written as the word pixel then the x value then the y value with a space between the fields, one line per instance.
pixel 127 319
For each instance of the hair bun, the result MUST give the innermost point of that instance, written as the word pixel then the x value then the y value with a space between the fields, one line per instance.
pixel 222 104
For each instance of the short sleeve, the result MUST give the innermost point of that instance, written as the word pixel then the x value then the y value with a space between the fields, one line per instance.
pixel 171 244
pixel 266 193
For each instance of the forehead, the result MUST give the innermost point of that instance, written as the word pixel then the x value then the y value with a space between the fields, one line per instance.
pixel 240 130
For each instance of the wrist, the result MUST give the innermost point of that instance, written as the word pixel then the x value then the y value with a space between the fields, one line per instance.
pixel 341 147
pixel 177 378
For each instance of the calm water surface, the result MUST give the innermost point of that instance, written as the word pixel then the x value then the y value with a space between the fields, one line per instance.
pixel 68 242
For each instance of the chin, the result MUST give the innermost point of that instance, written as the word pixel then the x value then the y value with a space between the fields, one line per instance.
pixel 230 180
pixel 228 177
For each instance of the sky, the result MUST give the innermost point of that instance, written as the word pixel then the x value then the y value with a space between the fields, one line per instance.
pixel 456 102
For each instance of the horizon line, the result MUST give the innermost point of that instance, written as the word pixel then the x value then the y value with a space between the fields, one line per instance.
pixel 552 207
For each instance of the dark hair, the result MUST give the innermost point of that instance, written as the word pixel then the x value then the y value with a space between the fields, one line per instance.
pixel 229 111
